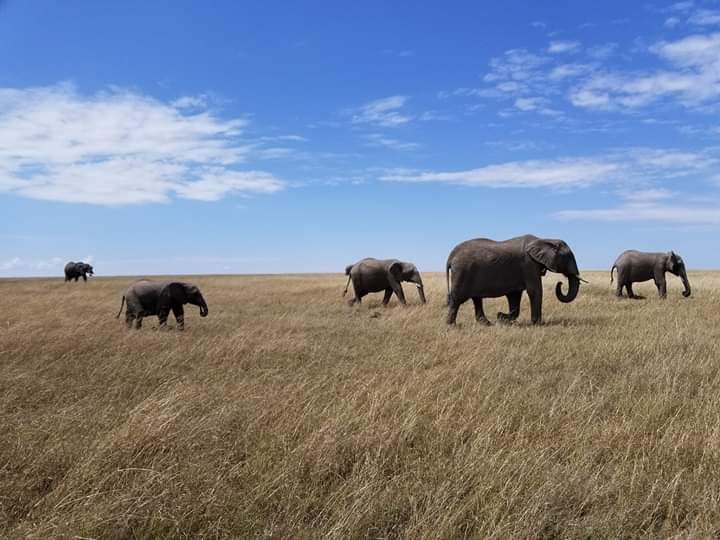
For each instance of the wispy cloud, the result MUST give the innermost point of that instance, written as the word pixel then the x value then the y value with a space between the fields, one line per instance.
pixel 378 139
pixel 652 212
pixel 626 167
pixel 560 47
pixel 120 147
pixel 383 112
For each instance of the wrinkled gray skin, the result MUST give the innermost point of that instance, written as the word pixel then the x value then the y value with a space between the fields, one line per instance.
pixel 483 268
pixel 636 266
pixel 75 270
pixel 145 298
pixel 374 275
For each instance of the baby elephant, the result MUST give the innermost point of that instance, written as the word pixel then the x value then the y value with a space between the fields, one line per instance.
pixel 373 275
pixel 147 297
pixel 634 266
pixel 75 270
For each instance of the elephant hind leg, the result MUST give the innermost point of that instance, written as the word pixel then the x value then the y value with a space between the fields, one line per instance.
pixel 479 313
pixel 453 306
pixel 513 307
pixel 631 294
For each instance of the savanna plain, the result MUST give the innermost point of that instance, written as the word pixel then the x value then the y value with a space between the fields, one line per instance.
pixel 287 414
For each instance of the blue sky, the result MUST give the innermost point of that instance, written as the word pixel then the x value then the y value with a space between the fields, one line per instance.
pixel 243 137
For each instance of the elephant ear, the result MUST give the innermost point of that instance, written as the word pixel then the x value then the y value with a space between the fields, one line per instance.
pixel 544 252
pixel 173 292
pixel 396 270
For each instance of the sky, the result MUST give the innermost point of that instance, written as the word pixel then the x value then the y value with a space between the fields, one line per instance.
pixel 189 137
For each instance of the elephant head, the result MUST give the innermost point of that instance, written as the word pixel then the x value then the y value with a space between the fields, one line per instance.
pixel 183 293
pixel 85 267
pixel 556 256
pixel 675 265
pixel 405 271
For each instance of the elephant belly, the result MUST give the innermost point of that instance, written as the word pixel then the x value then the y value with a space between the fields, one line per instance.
pixel 483 282
pixel 637 275
pixel 374 284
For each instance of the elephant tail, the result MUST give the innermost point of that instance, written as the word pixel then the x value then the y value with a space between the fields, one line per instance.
pixel 447 280
pixel 347 273
pixel 121 307
pixel 611 272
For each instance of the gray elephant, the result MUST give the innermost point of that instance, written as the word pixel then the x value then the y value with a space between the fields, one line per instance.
pixel 145 298
pixel 75 270
pixel 635 266
pixel 483 268
pixel 374 275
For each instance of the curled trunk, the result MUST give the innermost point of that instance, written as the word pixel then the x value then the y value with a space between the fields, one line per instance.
pixel 203 307
pixel 574 287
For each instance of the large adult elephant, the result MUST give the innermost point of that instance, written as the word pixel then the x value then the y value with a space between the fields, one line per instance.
pixel 483 268
pixel 146 298
pixel 75 270
pixel 375 275
pixel 636 266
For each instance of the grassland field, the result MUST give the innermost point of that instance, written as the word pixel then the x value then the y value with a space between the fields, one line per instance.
pixel 287 414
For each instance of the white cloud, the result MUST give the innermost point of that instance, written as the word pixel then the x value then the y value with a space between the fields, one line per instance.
pixel 560 47
pixel 519 174
pixel 118 147
pixel 671 22
pixel 635 166
pixel 566 71
pixel 705 17
pixel 696 215
pixel 383 112
pixel 694 81
pixel 377 139
pixel 11 263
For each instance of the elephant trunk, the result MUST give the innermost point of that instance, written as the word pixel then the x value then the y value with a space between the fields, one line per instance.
pixel 574 287
pixel 687 292
pixel 417 280
pixel 203 307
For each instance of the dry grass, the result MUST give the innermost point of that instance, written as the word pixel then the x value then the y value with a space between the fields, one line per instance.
pixel 287 414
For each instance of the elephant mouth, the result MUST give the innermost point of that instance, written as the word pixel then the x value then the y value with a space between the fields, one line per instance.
pixel 203 311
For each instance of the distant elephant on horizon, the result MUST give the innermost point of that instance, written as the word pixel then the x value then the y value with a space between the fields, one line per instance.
pixel 146 298
pixel 375 275
pixel 637 266
pixel 484 268
pixel 75 270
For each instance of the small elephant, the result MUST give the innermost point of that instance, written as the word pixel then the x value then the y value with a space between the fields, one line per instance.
pixel 147 297
pixel 636 266
pixel 75 270
pixel 483 268
pixel 373 275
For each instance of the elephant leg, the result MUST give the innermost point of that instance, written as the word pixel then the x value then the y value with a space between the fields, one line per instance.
pixel 454 304
pixel 76 278
pixel 513 306
pixel 386 298
pixel 479 313
pixel 84 278
pixel 619 288
pixel 661 285
pixel 179 314
pixel 129 318
pixel 162 318
pixel 535 295
pixel 631 294
pixel 398 290
pixel 138 321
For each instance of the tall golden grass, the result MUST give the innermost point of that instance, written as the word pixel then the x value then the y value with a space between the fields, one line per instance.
pixel 286 413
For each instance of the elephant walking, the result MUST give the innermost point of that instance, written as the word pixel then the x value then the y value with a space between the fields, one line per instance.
pixel 373 275
pixel 147 297
pixel 75 270
pixel 483 268
pixel 636 266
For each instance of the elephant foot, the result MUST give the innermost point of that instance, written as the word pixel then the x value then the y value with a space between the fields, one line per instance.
pixel 505 318
pixel 636 297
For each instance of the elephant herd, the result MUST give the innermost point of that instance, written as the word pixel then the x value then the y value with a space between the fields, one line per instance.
pixel 475 269
pixel 483 268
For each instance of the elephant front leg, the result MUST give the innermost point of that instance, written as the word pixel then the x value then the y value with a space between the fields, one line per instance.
pixel 535 305
pixel 661 284
pixel 179 314
pixel 398 290
pixel 386 298
pixel 513 306
pixel 479 313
